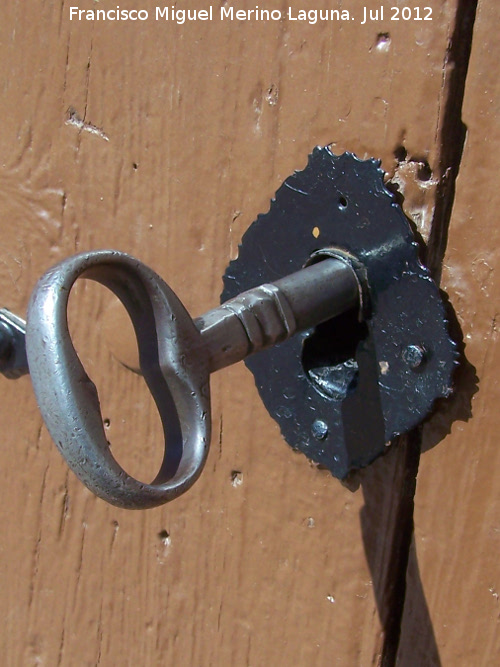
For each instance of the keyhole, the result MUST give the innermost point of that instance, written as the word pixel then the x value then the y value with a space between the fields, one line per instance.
pixel 329 355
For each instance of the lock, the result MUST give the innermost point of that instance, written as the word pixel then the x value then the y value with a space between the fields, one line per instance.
pixel 343 390
pixel 327 302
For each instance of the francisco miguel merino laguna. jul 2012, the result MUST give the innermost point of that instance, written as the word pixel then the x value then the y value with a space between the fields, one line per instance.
pixel 181 16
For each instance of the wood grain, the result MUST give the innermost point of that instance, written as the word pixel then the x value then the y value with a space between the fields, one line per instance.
pixel 166 141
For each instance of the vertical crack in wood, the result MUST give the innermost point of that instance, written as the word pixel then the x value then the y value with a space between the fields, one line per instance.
pixel 397 566
pixel 452 135
pixel 452 140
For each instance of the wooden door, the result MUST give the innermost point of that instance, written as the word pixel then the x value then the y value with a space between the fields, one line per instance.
pixel 165 140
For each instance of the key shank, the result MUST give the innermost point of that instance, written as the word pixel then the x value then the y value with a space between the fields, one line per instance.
pixel 271 313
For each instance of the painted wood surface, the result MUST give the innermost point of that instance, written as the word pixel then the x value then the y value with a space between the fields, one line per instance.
pixel 166 141
pixel 457 502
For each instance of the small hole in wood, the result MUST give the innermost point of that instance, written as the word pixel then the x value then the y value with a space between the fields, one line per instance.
pixel 164 536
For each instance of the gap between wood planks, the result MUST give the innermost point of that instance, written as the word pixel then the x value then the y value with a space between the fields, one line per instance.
pixel 452 139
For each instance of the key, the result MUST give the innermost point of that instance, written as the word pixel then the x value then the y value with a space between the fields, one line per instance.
pixel 176 354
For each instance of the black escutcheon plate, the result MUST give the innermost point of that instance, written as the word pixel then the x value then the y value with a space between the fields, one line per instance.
pixel 342 391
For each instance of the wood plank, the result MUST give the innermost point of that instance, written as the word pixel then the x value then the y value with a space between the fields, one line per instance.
pixel 166 141
pixel 458 499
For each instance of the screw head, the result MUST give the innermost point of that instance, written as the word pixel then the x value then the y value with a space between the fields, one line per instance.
pixel 414 356
pixel 319 429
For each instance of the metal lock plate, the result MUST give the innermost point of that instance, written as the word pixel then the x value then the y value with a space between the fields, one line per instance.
pixel 342 391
